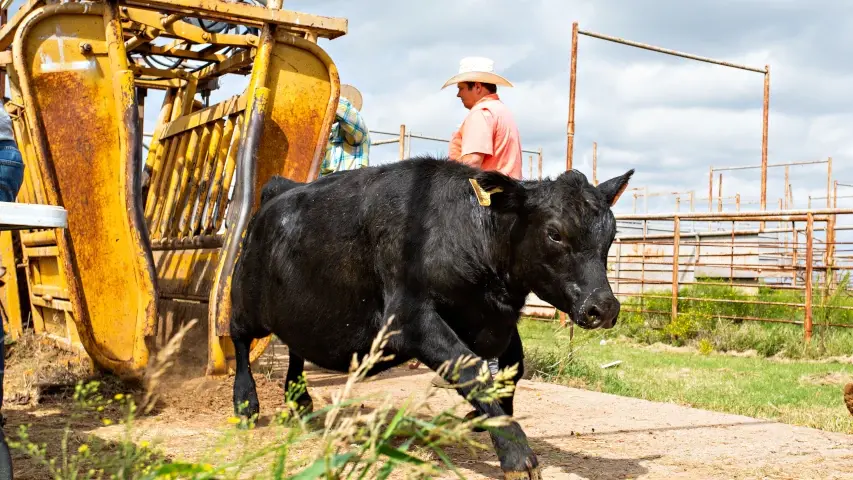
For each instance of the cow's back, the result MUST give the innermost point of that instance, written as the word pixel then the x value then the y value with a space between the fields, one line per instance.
pixel 323 256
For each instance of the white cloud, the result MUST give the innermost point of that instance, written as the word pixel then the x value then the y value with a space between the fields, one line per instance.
pixel 669 118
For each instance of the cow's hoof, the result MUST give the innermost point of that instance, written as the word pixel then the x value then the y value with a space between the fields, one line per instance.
pixel 531 470
pixel 518 459
pixel 304 405
pixel 532 474
pixel 247 406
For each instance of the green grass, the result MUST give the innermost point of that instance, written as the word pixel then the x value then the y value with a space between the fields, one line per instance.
pixel 798 392
pixel 716 323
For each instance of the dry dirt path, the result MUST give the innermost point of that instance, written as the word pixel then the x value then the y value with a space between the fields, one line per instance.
pixel 577 434
pixel 583 434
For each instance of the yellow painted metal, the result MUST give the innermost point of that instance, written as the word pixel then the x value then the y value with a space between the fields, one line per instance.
pixel 97 285
pixel 9 297
pixel 326 27
pixel 304 90
pixel 184 30
pixel 81 112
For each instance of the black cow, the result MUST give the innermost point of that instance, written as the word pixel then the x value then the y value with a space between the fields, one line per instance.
pixel 325 264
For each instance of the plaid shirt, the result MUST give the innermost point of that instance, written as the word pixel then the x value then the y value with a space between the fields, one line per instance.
pixel 349 141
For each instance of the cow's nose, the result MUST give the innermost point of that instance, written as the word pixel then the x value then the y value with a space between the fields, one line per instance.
pixel 603 311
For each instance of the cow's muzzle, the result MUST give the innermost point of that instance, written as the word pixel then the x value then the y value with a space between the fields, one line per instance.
pixel 599 310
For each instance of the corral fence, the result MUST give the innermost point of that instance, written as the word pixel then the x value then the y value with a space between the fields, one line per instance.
pixel 404 138
pixel 792 271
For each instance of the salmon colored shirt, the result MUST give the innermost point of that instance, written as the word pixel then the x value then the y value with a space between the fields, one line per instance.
pixel 489 129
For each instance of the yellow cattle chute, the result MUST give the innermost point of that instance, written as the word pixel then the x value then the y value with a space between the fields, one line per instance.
pixel 151 245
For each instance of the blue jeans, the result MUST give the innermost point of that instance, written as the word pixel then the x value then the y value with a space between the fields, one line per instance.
pixel 11 171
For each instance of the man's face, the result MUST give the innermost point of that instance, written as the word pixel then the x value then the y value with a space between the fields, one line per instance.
pixel 469 95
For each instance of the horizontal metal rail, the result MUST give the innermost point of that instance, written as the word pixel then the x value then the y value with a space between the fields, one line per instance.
pixel 669 52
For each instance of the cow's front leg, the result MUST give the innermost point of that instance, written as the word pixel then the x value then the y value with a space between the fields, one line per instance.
pixel 434 343
pixel 513 355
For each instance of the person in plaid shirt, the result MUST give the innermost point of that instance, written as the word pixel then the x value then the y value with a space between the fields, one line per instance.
pixel 349 140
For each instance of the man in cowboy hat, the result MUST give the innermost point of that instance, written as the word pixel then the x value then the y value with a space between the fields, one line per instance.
pixel 488 137
pixel 349 140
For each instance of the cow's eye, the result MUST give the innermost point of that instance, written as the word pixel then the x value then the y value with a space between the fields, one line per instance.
pixel 554 235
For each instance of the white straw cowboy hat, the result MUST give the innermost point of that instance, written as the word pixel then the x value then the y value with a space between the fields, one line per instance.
pixel 352 94
pixel 477 69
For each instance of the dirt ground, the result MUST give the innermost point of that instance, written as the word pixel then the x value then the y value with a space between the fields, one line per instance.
pixel 577 434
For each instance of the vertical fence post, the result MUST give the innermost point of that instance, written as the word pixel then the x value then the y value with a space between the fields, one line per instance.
pixel 644 247
pixel 720 193
pixel 531 167
pixel 828 181
pixel 539 153
pixel 807 324
pixel 570 127
pixel 675 254
pixel 764 130
pixel 711 189
pixel 595 163
pixel 402 141
pixel 794 261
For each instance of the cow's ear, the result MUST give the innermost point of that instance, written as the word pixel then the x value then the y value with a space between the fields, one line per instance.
pixel 615 187
pixel 496 190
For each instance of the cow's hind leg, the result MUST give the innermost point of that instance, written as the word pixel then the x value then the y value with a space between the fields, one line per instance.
pixel 434 343
pixel 245 394
pixel 293 390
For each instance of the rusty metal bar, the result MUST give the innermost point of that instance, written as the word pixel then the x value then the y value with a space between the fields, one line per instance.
pixel 720 193
pixel 669 52
pixel 764 130
pixel 727 300
pixel 711 189
pixel 828 182
pixel 402 142
pixel 530 167
pixel 539 154
pixel 384 142
pixel 411 135
pixel 573 71
pixel 675 263
pixel 327 27
pixel 773 165
pixel 661 194
pixel 809 260
pixel 728 215
pixel 595 163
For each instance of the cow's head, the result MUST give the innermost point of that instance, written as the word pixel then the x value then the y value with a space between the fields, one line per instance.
pixel 561 241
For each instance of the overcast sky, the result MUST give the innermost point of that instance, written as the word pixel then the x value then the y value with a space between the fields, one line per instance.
pixel 667 117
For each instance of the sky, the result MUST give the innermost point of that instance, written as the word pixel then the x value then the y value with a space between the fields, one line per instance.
pixel 668 118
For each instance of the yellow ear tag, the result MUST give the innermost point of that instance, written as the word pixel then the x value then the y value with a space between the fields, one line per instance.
pixel 483 196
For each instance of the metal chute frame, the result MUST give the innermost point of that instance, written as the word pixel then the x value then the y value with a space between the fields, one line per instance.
pixel 151 242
